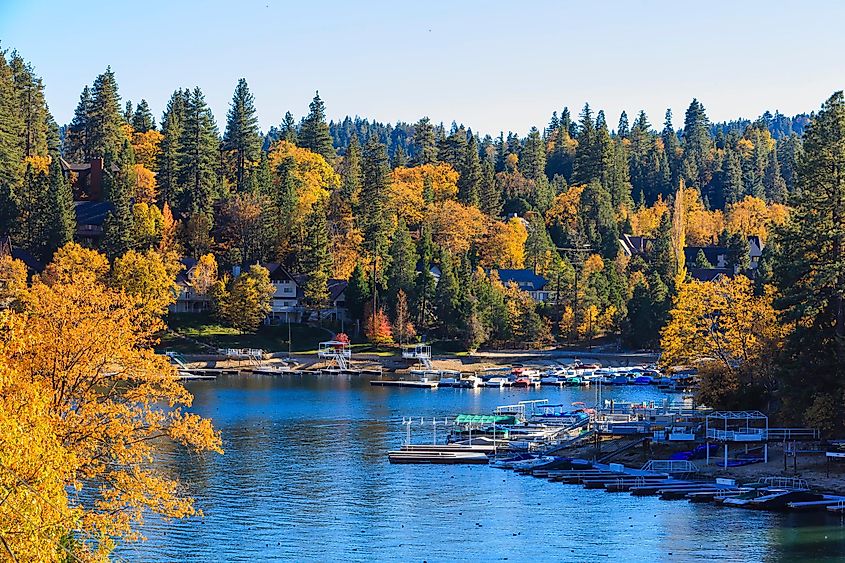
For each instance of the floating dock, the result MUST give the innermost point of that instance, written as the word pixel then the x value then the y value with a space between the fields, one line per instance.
pixel 419 384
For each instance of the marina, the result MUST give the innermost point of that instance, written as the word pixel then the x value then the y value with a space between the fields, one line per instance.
pixel 306 476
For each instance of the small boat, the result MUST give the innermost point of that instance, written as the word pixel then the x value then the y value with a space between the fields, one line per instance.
pixel 448 382
pixel 438 457
pixel 498 382
pixel 469 382
pixel 643 380
pixel 526 382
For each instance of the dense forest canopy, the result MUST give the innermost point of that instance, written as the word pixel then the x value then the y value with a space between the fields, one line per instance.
pixel 427 223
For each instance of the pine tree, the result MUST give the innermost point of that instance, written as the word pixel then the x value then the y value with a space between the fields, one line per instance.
pixel 776 190
pixel 350 187
pixel 698 146
pixel 287 129
pixel 128 112
pixel 242 136
pixel 587 165
pixel 701 260
pixel 172 125
pixel 105 118
pixel 34 118
pixel 61 224
pixel 142 119
pixel 662 255
pixel 31 225
pixel 671 146
pixel 532 159
pixel 538 246
pixel 490 199
pixel 198 156
pixel 424 145
pixel 469 181
pixel 11 155
pixel 623 131
pixel 118 229
pixel 373 212
pixel 317 260
pixel 447 296
pixel 314 134
pixel 400 159
pixel 359 292
pixel 401 273
pixel 452 149
pixel 77 138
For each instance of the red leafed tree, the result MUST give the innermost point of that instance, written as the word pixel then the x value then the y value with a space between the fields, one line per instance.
pixel 377 327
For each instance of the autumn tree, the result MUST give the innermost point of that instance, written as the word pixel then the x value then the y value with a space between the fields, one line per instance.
pixel 734 333
pixel 243 302
pixel 149 277
pixel 93 406
pixel 203 275
pixel 403 328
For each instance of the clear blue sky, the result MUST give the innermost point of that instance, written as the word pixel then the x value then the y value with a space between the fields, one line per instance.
pixel 488 64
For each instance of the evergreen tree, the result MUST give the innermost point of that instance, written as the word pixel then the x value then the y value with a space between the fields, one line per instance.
pixel 242 137
pixel 701 260
pixel 288 129
pixel 317 260
pixel 172 125
pixel 142 119
pixel 77 136
pixel 373 208
pixel 127 112
pixel 698 146
pixel 469 182
pixel 671 146
pixel 452 149
pixel 490 199
pixel 532 161
pixel 401 274
pixel 425 147
pixel 34 119
pixel 447 296
pixel 350 186
pixel 539 248
pixel 198 156
pixel 314 134
pixel 587 165
pixel 359 292
pixel 776 189
pixel 106 133
pixel 118 229
pixel 11 155
pixel 61 222
pixel 662 255
pixel 400 159
pixel 623 131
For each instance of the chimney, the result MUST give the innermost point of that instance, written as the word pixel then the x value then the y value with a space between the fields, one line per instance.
pixel 95 180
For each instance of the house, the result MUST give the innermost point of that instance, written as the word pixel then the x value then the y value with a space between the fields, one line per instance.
pixel 528 281
pixel 633 246
pixel 187 300
pixel 91 210
pixel 90 218
pixel 709 274
pixel 718 256
pixel 284 305
pixel 33 266
pixel 336 309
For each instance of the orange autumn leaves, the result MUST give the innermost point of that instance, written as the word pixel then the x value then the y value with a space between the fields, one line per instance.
pixel 84 405
pixel 749 217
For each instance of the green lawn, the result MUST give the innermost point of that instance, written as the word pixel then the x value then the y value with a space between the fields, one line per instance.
pixel 205 329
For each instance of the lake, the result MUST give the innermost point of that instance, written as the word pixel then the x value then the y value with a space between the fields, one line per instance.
pixel 305 477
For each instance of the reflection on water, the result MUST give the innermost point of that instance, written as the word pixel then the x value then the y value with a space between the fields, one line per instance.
pixel 305 477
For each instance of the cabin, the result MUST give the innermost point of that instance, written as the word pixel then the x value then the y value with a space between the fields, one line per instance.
pixel 187 300
pixel 87 182
pixel 633 246
pixel 526 280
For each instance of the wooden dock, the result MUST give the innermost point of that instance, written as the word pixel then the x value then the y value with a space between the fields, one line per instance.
pixel 404 383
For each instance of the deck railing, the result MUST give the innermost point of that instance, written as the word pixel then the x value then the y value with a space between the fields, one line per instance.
pixel 670 466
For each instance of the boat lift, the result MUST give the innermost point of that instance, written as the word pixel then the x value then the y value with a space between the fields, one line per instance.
pixel 741 427
pixel 421 353
pixel 337 352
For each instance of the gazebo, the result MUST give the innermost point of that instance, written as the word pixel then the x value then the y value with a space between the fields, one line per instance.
pixel 744 427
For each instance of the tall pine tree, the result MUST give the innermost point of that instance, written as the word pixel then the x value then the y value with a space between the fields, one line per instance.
pixel 242 138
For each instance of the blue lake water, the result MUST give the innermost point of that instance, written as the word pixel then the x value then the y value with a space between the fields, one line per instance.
pixel 305 478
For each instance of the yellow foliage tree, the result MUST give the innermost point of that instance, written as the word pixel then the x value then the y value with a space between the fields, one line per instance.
pixel 149 277
pixel 565 208
pixel 504 246
pixel 645 220
pixel 455 226
pixel 85 404
pixel 408 186
pixel 313 177
pixel 752 216
pixel 147 146
pixel 725 326
pixel 146 189
pixel 204 274
pixel 12 280
pixel 148 223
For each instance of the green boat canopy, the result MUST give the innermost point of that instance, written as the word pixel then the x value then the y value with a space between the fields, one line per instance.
pixel 485 419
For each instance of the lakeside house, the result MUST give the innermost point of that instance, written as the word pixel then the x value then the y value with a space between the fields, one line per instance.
pixel 286 304
pixel 526 280
pixel 91 210
pixel 723 261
